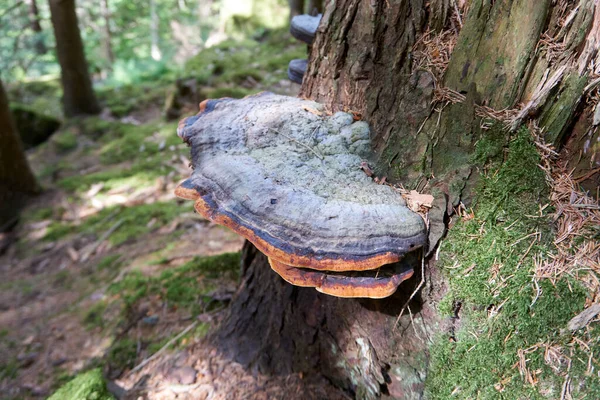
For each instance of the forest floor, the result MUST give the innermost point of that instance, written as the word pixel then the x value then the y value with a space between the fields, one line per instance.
pixel 108 270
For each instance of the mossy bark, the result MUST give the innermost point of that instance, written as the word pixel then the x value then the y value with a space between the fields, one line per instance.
pixel 362 60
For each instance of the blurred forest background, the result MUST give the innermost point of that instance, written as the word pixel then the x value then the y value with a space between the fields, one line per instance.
pixel 104 268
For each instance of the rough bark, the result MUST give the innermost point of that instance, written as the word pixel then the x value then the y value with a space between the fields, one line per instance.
pixel 78 94
pixel 425 127
pixel 16 178
pixel 276 328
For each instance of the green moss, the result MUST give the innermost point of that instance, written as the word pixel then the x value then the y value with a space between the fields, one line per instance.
pixel 65 141
pixel 135 155
pixel 131 222
pixel 94 316
pixel 58 230
pixel 33 125
pixel 489 263
pixel 109 261
pixel 126 99
pixel 185 286
pixel 41 95
pixel 9 369
pixel 39 214
pixel 86 386
pixel 232 62
pixel 131 142
pixel 122 354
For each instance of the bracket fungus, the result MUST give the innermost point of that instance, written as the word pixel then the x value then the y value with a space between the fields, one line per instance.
pixel 285 175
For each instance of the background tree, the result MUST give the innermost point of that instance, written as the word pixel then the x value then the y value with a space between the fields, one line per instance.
pixel 78 94
pixel 296 7
pixel 34 19
pixel 108 50
pixel 512 61
pixel 16 178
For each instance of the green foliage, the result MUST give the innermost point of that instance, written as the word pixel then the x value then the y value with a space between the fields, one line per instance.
pixel 185 286
pixel 489 262
pixel 89 385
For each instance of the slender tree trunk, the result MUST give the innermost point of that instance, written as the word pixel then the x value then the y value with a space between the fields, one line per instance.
pixel 108 49
pixel 204 8
pixel 34 22
pixel 315 7
pixel 16 178
pixel 78 94
pixel 296 7
pixel 370 58
pixel 154 33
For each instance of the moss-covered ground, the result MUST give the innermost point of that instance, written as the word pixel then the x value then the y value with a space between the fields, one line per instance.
pixel 508 338
pixel 86 386
pixel 107 266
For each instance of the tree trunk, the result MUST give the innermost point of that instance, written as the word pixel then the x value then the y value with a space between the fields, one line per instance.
pixel 108 50
pixel 315 7
pixel 426 112
pixel 78 94
pixel 296 7
pixel 34 23
pixel 154 33
pixel 16 178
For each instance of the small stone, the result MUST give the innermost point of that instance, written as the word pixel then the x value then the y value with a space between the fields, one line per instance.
pixel 150 320
pixel 58 361
pixel 162 145
pixel 182 375
pixel 25 360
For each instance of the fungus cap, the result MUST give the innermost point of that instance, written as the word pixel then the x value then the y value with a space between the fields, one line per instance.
pixel 283 174
pixel 371 284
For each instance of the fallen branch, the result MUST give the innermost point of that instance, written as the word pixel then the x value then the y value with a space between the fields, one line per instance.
pixel 102 239
pixel 162 349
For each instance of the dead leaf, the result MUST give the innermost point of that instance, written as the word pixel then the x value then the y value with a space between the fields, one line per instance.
pixel 365 167
pixel 416 200
pixel 73 254
pixel 312 111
